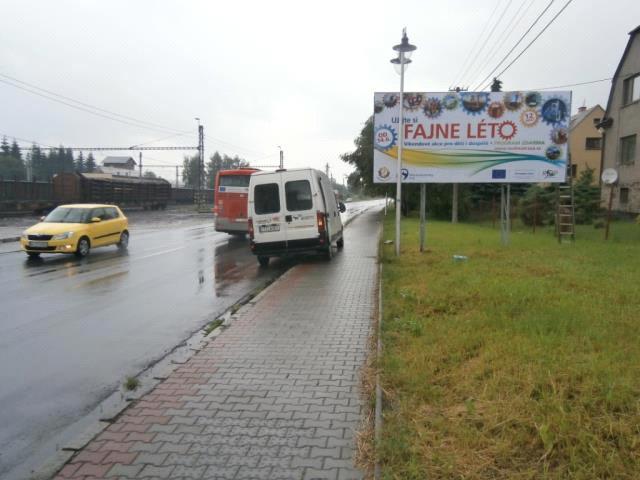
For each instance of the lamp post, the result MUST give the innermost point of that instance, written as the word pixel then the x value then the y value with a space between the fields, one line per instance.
pixel 404 49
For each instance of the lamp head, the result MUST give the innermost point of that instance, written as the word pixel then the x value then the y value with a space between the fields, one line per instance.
pixel 404 46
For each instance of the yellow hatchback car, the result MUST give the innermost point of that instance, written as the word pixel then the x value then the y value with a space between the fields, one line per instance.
pixel 77 229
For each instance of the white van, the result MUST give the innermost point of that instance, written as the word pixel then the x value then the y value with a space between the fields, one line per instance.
pixel 293 212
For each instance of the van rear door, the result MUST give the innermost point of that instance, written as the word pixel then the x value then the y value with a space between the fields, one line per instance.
pixel 300 210
pixel 267 209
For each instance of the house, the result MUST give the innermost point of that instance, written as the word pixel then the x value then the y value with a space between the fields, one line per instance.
pixel 621 128
pixel 585 141
pixel 123 166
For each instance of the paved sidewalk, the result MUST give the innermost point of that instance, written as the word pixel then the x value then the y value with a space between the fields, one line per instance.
pixel 275 395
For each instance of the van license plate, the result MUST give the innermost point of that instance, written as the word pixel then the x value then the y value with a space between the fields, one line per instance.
pixel 39 244
pixel 269 228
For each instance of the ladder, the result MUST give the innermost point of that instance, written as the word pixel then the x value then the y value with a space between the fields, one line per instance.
pixel 565 210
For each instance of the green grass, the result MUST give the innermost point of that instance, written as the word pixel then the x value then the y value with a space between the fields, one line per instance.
pixel 521 363
pixel 131 383
pixel 212 326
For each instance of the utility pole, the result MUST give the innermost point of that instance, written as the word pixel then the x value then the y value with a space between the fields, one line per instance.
pixel 281 158
pixel 326 169
pixel 140 165
pixel 177 177
pixel 199 200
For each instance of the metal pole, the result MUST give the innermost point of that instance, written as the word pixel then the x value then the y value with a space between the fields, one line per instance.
pixel 385 204
pixel 200 166
pixel 606 231
pixel 423 214
pixel 503 234
pixel 177 181
pixel 508 213
pixel 140 165
pixel 281 159
pixel 454 204
pixel 399 169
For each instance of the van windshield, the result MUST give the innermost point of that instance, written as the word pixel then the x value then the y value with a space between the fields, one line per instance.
pixel 298 195
pixel 266 198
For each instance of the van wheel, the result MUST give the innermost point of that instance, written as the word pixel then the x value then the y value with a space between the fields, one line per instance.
pixel 340 243
pixel 83 247
pixel 263 261
pixel 328 253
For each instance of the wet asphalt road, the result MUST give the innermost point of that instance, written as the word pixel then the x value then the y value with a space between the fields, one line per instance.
pixel 72 330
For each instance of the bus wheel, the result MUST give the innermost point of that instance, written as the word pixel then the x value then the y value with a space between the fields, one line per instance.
pixel 263 261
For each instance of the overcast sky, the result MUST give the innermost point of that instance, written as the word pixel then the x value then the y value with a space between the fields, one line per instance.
pixel 261 74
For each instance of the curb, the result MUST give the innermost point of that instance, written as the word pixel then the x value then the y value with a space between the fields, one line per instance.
pixel 9 239
pixel 377 424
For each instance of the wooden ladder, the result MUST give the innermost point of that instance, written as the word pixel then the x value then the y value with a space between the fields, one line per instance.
pixel 565 210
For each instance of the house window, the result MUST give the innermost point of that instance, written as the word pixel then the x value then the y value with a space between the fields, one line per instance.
pixel 624 195
pixel 596 121
pixel 631 90
pixel 628 150
pixel 593 143
pixel 574 170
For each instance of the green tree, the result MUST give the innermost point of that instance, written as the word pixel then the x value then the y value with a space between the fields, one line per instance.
pixel 149 174
pixel 219 162
pixel 190 171
pixel 80 166
pixel 38 164
pixel 90 164
pixel 11 163
pixel 586 197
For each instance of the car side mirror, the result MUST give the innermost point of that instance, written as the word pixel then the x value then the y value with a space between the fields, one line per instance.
pixel 95 220
pixel 342 206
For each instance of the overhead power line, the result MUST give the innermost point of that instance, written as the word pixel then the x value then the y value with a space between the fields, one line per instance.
pixel 486 40
pixel 534 39
pixel 522 37
pixel 86 107
pixel 466 60
pixel 506 35
pixel 572 84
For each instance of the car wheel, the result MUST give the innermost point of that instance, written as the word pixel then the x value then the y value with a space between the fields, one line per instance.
pixel 33 254
pixel 340 242
pixel 124 240
pixel 263 261
pixel 328 253
pixel 83 247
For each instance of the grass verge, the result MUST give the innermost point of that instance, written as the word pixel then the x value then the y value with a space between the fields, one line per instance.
pixel 522 362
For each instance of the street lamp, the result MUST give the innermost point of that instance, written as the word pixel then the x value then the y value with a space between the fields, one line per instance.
pixel 404 49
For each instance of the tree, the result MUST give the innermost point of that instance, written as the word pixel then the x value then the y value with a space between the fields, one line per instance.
pixel 496 86
pixel 38 163
pixel 11 164
pixel 586 197
pixel 190 171
pixel 219 162
pixel 149 174
pixel 90 165
pixel 80 163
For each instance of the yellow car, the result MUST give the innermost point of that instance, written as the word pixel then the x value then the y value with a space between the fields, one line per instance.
pixel 77 229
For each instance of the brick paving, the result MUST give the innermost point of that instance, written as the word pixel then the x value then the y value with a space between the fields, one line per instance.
pixel 276 395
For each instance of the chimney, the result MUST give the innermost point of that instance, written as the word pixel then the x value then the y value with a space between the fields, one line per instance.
pixel 581 109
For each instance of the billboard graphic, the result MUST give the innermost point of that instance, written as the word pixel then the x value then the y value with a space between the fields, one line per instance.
pixel 473 137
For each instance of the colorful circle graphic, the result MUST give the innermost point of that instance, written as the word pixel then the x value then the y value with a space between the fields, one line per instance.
pixel 413 101
pixel 450 101
pixel 532 99
pixel 474 103
pixel 553 152
pixel 554 111
pixel 495 110
pixel 513 101
pixel 432 107
pixel 385 137
pixel 390 100
pixel 559 135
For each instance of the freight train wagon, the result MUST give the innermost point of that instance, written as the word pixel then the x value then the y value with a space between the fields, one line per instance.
pixel 148 193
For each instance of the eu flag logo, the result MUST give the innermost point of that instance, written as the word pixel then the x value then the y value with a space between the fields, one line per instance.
pixel 499 174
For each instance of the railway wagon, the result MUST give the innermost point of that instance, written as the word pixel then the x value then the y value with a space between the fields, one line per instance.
pixel 148 193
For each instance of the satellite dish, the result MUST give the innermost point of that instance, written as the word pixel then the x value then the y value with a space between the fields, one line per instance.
pixel 609 176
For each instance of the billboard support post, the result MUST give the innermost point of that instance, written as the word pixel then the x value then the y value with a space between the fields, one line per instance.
pixel 505 213
pixel 454 204
pixel 423 215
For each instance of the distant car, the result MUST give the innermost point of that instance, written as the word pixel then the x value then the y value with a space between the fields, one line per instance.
pixel 77 229
pixel 349 199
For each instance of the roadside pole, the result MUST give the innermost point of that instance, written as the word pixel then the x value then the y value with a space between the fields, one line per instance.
pixel 454 204
pixel 505 216
pixel 423 215
pixel 606 230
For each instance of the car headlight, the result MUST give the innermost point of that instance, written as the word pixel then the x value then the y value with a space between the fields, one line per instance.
pixel 24 235
pixel 62 236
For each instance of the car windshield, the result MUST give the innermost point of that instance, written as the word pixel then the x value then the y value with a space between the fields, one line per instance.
pixel 68 215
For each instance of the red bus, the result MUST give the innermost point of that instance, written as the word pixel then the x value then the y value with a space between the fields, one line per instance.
pixel 231 197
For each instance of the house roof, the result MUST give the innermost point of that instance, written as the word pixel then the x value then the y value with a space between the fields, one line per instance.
pixel 118 160
pixel 580 116
pixel 632 35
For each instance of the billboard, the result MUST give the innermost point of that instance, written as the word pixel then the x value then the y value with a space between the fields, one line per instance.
pixel 473 137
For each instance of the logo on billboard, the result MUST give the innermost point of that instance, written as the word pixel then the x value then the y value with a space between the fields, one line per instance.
pixel 384 172
pixel 385 137
pixel 499 173
pixel 405 173
pixel 549 173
